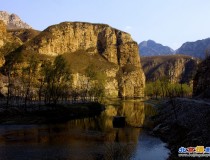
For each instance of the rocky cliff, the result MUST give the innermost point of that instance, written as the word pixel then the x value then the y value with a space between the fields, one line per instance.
pixel 111 51
pixel 151 48
pixel 3 33
pixel 12 21
pixel 202 80
pixel 196 49
pixel 178 68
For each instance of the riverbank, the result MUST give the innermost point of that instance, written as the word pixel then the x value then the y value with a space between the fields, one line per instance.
pixel 50 114
pixel 183 122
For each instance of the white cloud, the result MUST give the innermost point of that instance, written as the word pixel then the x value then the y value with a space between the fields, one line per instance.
pixel 128 28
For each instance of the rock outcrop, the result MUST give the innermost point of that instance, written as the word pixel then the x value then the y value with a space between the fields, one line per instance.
pixel 178 68
pixel 12 21
pixel 151 48
pixel 2 33
pixel 104 45
pixel 196 49
pixel 201 85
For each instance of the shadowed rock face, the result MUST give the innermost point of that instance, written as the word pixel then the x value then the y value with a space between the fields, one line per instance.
pixel 178 68
pixel 115 48
pixel 202 80
pixel 12 21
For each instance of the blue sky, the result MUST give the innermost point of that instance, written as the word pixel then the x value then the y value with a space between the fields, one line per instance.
pixel 170 22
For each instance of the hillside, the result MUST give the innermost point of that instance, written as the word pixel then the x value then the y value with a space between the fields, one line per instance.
pixel 10 40
pixel 23 34
pixel 179 68
pixel 196 49
pixel 151 48
pixel 8 43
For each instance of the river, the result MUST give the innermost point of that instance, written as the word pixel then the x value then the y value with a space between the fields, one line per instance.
pixel 92 138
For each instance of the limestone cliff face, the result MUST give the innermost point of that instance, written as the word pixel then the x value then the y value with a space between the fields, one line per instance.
pixel 113 46
pixel 116 46
pixel 202 80
pixel 2 33
pixel 178 68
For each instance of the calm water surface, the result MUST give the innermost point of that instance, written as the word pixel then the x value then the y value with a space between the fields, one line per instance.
pixel 85 139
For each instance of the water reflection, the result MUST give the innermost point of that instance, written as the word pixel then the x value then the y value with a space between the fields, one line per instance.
pixel 135 112
pixel 82 139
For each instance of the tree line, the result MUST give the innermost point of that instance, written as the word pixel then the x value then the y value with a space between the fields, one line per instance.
pixel 36 81
pixel 163 88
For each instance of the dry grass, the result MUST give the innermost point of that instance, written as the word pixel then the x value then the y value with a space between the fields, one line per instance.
pixel 80 60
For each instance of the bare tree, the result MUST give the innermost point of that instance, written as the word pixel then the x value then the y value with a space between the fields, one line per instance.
pixel 28 77
pixel 57 78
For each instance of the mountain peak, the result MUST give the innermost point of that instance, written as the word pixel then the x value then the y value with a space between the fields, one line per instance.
pixel 197 48
pixel 13 21
pixel 151 48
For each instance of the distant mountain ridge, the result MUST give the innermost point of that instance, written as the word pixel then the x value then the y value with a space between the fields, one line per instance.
pixel 151 48
pixel 197 49
pixel 13 21
pixel 178 68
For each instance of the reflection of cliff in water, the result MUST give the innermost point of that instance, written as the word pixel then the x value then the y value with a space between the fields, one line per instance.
pixel 135 112
pixel 89 138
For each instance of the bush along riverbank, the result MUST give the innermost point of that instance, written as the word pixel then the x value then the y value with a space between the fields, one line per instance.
pixel 183 122
pixel 50 114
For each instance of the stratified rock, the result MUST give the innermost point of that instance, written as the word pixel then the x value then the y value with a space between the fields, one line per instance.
pixel 12 21
pixel 114 51
pixel 178 68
